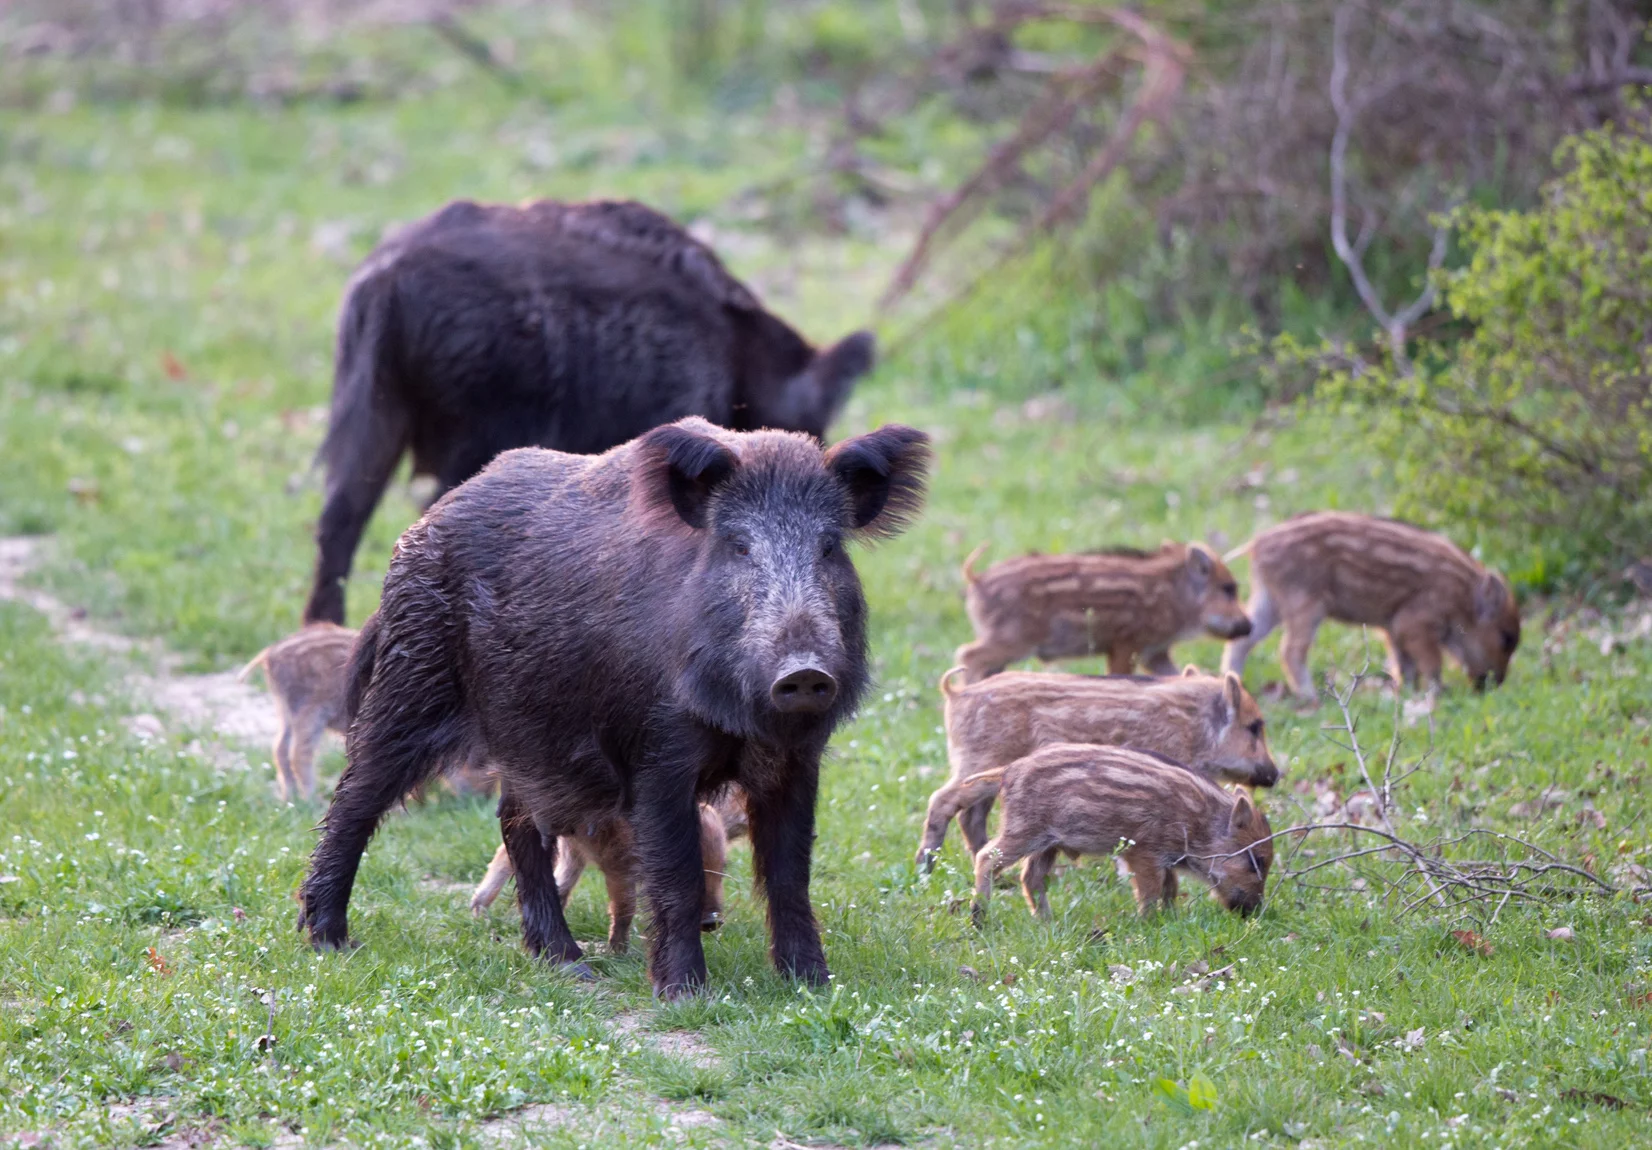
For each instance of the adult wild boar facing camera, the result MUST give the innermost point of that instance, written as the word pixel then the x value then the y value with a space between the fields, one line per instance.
pixel 622 634
pixel 577 327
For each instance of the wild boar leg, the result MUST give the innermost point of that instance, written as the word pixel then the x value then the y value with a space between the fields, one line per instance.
pixel 533 858
pixel 622 908
pixel 1299 637
pixel 1035 872
pixel 570 864
pixel 972 824
pixel 782 841
pixel 1010 847
pixel 306 740
pixel 376 779
pixel 1264 617
pixel 665 820
pixel 362 452
pixel 286 788
pixel 1121 661
pixel 499 873
pixel 714 858
pixel 1402 668
pixel 1148 878
pixel 1417 638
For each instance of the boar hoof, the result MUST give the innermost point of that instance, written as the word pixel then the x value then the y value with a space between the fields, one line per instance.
pixel 711 922
pixel 577 970
pixel 812 971
pixel 925 862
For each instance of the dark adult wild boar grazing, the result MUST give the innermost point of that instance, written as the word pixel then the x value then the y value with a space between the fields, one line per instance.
pixel 570 326
pixel 622 635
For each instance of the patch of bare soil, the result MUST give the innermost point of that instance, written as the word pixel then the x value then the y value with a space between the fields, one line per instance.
pixel 684 1044
pixel 216 704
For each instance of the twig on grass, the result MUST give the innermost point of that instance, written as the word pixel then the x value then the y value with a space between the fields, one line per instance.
pixel 1473 874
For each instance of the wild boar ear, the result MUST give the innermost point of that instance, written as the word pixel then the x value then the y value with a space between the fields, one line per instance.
pixel 679 469
pixel 1200 563
pixel 1490 597
pixel 1233 691
pixel 885 472
pixel 810 400
pixel 1244 813
pixel 1191 671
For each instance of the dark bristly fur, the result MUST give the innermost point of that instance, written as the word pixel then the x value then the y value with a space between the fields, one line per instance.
pixel 570 326
pixel 1209 722
pixel 621 635
pixel 1159 817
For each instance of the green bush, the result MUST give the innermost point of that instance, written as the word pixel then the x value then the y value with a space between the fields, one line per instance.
pixel 1533 432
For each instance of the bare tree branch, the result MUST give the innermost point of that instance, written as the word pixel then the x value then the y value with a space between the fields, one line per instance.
pixel 1348 108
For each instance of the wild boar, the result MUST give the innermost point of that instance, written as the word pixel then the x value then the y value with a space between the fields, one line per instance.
pixel 1208 722
pixel 1123 603
pixel 570 326
pixel 1421 589
pixel 1159 817
pixel 621 635
pixel 613 849
pixel 305 676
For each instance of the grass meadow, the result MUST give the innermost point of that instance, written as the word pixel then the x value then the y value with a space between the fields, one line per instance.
pixel 168 282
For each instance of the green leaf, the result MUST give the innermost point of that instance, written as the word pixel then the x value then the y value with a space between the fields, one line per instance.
pixel 1201 1093
pixel 1175 1095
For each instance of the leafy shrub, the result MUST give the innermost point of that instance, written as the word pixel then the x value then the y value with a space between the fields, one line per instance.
pixel 1536 427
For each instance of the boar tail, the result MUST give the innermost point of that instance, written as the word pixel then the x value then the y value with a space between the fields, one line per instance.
pixel 245 673
pixel 945 680
pixel 968 568
pixel 944 805
pixel 360 671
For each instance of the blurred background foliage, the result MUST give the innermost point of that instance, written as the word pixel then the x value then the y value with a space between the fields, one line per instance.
pixel 1187 261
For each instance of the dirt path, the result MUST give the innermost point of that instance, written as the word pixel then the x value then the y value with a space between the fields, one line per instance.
pixel 216 704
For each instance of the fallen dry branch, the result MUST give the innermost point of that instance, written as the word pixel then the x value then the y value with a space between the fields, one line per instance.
pixel 1469 876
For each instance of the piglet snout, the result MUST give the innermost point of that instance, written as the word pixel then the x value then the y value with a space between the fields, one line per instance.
pixel 802 688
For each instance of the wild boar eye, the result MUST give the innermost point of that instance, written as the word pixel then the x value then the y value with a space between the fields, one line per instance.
pixel 741 547
pixel 827 547
pixel 1256 728
pixel 1231 590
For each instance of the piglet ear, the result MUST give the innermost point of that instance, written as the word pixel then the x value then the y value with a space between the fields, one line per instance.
pixel 1244 814
pixel 885 472
pixel 1191 671
pixel 1233 690
pixel 1200 563
pixel 679 467
pixel 1490 596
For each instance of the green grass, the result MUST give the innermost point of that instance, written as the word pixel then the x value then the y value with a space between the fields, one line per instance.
pixel 168 279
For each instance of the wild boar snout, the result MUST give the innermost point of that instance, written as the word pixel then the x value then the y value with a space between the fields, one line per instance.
pixel 1224 628
pixel 803 687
